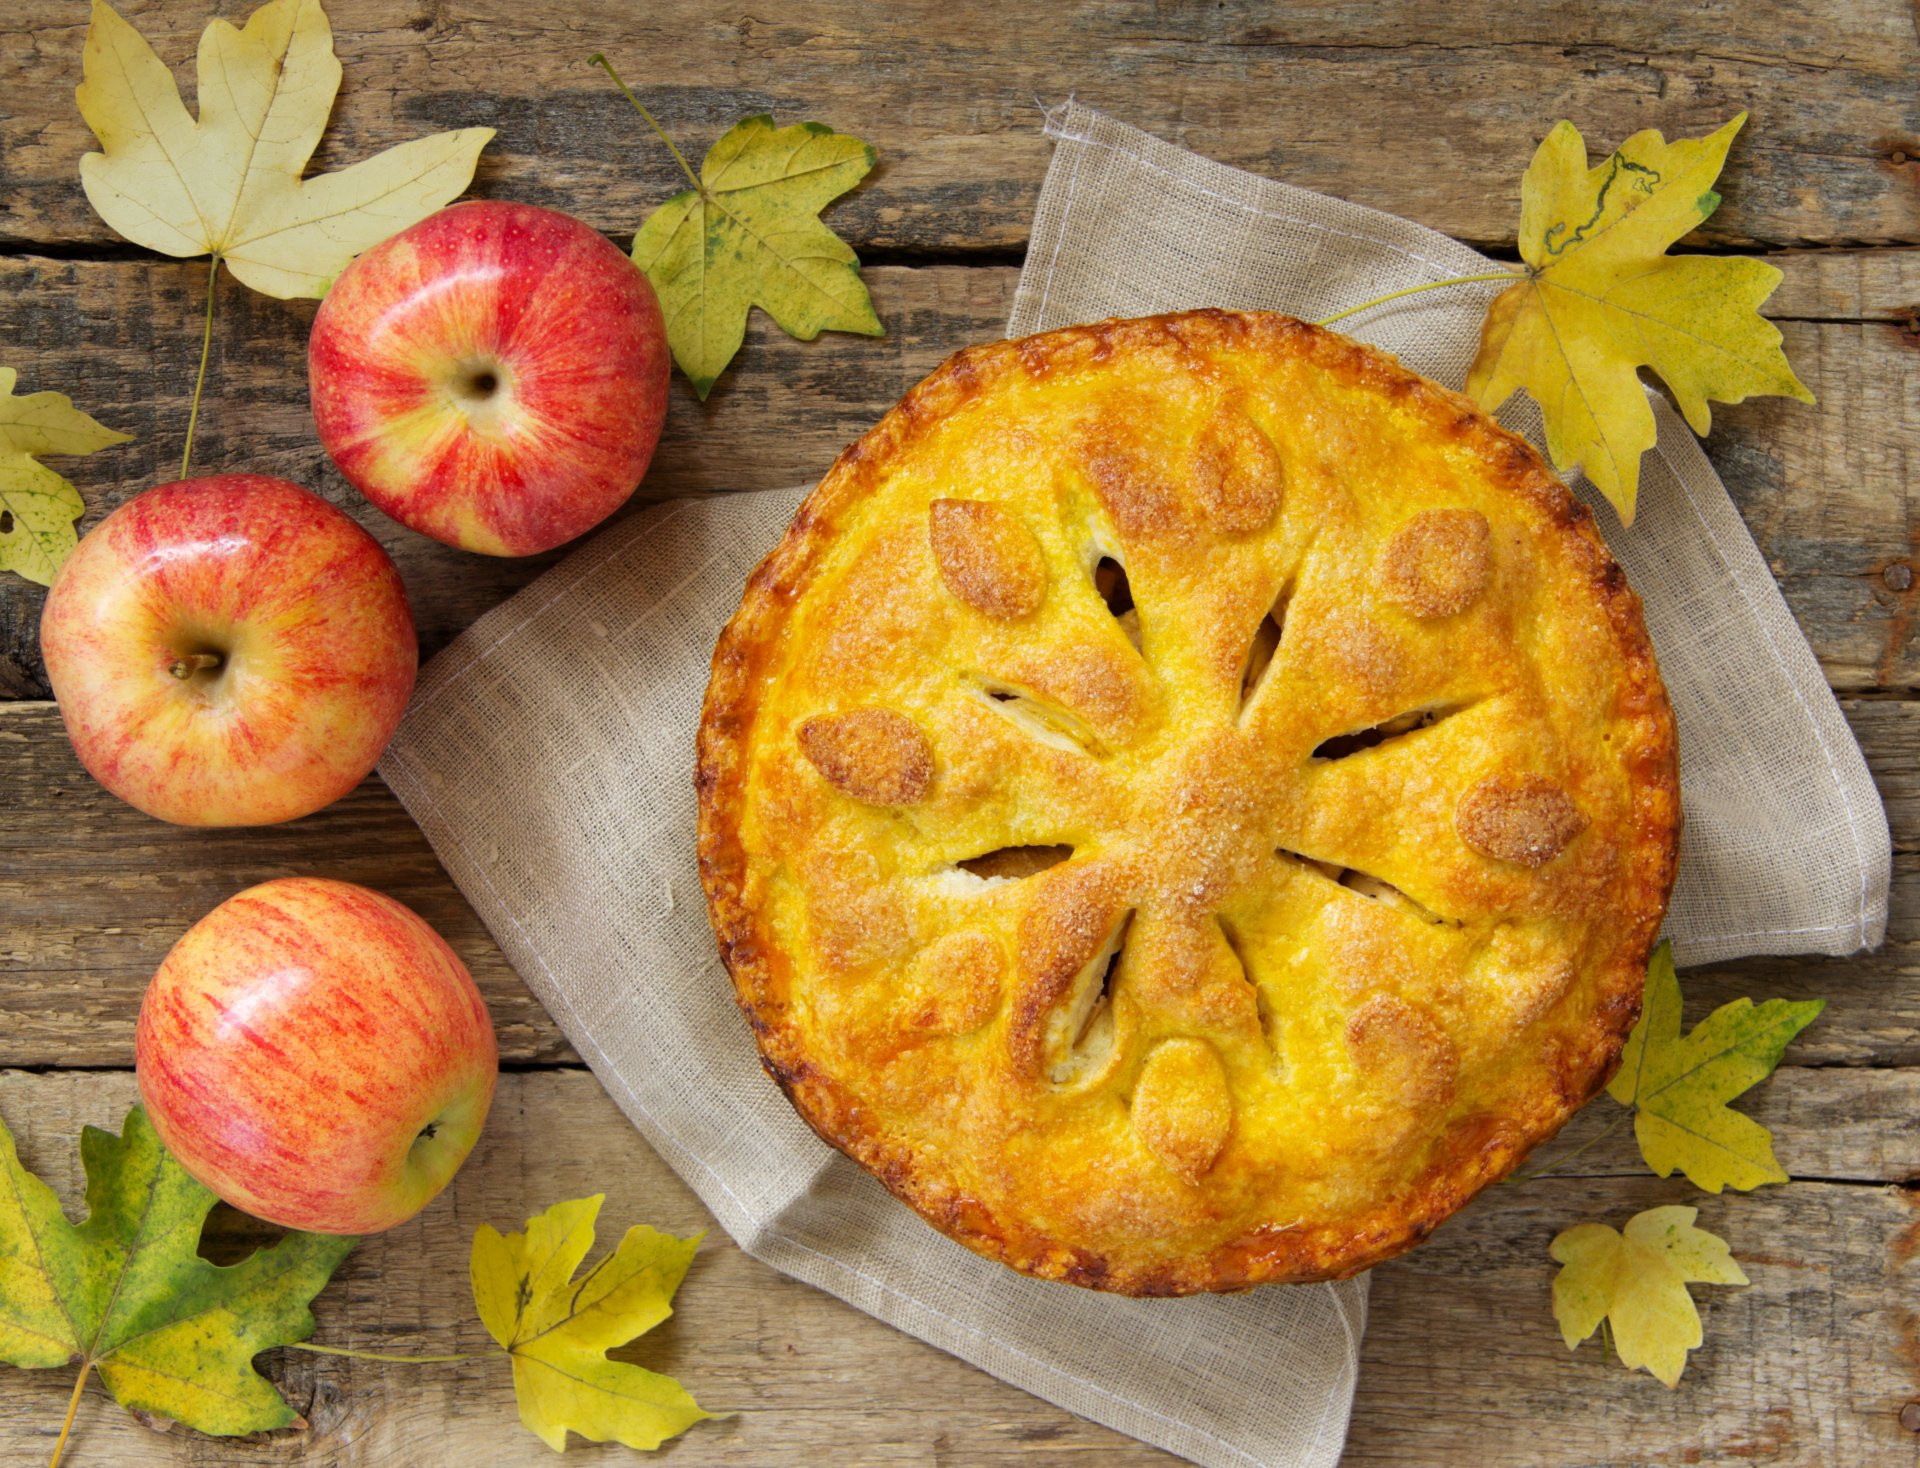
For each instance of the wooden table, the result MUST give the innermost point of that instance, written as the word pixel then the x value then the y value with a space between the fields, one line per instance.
pixel 1431 111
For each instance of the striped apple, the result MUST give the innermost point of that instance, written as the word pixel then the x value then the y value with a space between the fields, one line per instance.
pixel 495 376
pixel 317 1055
pixel 229 651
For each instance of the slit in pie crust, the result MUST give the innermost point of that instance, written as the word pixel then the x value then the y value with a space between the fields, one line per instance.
pixel 1187 804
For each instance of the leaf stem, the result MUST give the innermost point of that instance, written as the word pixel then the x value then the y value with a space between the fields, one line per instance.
pixel 599 59
pixel 1414 290
pixel 378 1355
pixel 73 1405
pixel 1611 1127
pixel 206 347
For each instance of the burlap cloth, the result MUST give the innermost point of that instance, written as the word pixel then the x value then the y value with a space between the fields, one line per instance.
pixel 548 756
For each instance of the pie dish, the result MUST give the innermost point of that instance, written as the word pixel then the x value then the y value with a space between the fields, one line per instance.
pixel 1187 804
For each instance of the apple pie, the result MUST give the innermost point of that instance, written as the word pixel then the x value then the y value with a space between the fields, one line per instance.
pixel 1188 803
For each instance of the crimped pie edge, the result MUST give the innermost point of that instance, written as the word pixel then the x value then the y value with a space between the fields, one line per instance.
pixel 1478 1150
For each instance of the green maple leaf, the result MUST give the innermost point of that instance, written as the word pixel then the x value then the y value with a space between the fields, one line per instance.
pixel 1638 1280
pixel 39 505
pixel 126 1293
pixel 558 1330
pixel 1680 1086
pixel 748 234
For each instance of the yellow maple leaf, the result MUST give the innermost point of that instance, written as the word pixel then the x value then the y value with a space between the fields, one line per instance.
pixel 1680 1085
pixel 1598 299
pixel 1637 1280
pixel 557 1330
pixel 230 183
pixel 37 506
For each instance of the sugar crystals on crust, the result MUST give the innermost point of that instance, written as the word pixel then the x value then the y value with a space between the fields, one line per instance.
pixel 1187 804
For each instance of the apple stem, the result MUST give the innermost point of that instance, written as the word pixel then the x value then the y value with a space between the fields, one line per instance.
pixel 1414 290
pixel 184 668
pixel 599 59
pixel 200 382
pixel 73 1405
pixel 377 1355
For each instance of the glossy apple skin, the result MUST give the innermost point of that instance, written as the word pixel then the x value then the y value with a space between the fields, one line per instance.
pixel 305 613
pixel 297 1043
pixel 495 377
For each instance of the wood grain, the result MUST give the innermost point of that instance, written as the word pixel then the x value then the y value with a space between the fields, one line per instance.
pixel 1820 487
pixel 1428 111
pixel 1810 1365
pixel 1462 1363
pixel 93 893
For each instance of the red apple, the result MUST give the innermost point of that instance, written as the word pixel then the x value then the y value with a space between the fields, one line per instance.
pixel 495 377
pixel 317 1055
pixel 229 651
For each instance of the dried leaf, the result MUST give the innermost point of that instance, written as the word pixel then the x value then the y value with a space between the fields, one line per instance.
pixel 1598 299
pixel 1681 1086
pixel 749 236
pixel 230 184
pixel 558 1329
pixel 127 1294
pixel 1638 1281
pixel 41 506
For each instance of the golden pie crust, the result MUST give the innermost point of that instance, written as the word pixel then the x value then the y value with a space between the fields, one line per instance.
pixel 1188 803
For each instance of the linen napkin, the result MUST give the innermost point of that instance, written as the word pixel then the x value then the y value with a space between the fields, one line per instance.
pixel 548 756
pixel 1786 847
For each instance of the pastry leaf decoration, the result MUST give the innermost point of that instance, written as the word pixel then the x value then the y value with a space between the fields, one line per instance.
pixel 229 184
pixel 1636 1281
pixel 1679 1086
pixel 126 1294
pixel 557 1329
pixel 748 234
pixel 37 506
pixel 1597 298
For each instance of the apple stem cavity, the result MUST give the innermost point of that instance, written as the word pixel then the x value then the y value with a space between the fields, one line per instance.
pixel 478 382
pixel 185 667
pixel 200 382
pixel 599 59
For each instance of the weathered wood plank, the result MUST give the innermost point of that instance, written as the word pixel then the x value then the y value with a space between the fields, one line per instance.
pixel 1328 97
pixel 1847 285
pixel 1830 1124
pixel 1809 1365
pixel 1823 488
pixel 92 894
pixel 1827 494
pixel 1461 1365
